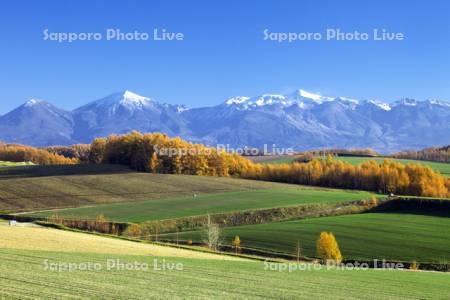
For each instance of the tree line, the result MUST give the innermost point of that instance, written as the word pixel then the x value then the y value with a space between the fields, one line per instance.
pixel 79 152
pixel 386 177
pixel 158 153
pixel 21 153
pixel 441 154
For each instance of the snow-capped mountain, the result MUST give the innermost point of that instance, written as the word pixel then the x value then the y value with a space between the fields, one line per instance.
pixel 39 123
pixel 301 120
pixel 124 112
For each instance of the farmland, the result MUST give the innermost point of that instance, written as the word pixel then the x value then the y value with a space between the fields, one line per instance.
pixel 212 203
pixel 400 237
pixel 13 164
pixel 203 275
pixel 43 187
pixel 38 238
pixel 24 276
pixel 123 195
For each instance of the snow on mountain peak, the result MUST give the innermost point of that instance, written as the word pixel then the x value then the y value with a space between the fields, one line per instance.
pixel 301 94
pixel 438 102
pixel 33 102
pixel 130 96
pixel 242 102
pixel 236 100
pixel 380 104
pixel 298 97
pixel 125 99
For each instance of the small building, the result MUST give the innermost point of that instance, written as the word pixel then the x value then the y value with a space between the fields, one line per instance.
pixel 12 222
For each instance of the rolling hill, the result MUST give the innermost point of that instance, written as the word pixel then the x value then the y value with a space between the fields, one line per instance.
pixel 46 187
pixel 391 236
pixel 170 208
pixel 202 276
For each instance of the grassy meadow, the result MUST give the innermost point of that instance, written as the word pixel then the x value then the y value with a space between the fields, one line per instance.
pixel 4 164
pixel 123 195
pixel 24 276
pixel 37 238
pixel 391 236
pixel 177 207
pixel 80 185
pixel 203 275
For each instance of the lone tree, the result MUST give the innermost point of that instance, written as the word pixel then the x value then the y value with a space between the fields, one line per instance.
pixel 134 230
pixel 298 251
pixel 212 234
pixel 328 248
pixel 236 244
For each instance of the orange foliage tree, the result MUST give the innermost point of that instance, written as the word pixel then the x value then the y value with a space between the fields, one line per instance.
pixel 328 248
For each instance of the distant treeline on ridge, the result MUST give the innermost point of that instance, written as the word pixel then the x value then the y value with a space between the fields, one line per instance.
pixel 158 153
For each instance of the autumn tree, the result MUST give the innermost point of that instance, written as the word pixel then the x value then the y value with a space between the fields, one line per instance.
pixel 101 223
pixel 153 163
pixel 97 151
pixel 328 248
pixel 236 244
pixel 134 230
pixel 212 234
pixel 21 153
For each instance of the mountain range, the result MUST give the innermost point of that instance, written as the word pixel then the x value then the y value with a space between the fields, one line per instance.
pixel 301 120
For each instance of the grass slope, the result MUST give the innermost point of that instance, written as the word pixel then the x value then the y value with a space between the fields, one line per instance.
pixel 72 186
pixel 48 239
pixel 212 203
pixel 399 237
pixel 23 276
pixel 4 164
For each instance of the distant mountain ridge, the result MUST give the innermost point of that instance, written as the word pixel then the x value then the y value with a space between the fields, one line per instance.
pixel 301 120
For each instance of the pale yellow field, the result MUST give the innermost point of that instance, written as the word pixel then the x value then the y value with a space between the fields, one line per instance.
pixel 48 239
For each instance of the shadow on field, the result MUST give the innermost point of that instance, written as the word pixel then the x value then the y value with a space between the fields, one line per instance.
pixel 61 170
pixel 419 206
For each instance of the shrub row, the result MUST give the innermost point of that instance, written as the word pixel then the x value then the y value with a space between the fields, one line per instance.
pixel 258 216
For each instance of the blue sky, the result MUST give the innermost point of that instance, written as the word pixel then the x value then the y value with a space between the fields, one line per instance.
pixel 223 53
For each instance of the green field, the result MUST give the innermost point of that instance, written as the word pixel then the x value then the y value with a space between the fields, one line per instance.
pixel 27 189
pixel 14 164
pixel 23 273
pixel 281 159
pixel 23 276
pixel 213 203
pixel 398 237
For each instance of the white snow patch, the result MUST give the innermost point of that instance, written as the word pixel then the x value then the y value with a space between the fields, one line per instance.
pixel 237 100
pixel 382 105
pixel 33 102
pixel 439 102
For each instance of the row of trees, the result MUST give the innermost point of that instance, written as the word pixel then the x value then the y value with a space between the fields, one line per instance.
pixel 431 154
pixel 20 153
pixel 79 151
pixel 158 153
pixel 387 177
pixel 344 152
